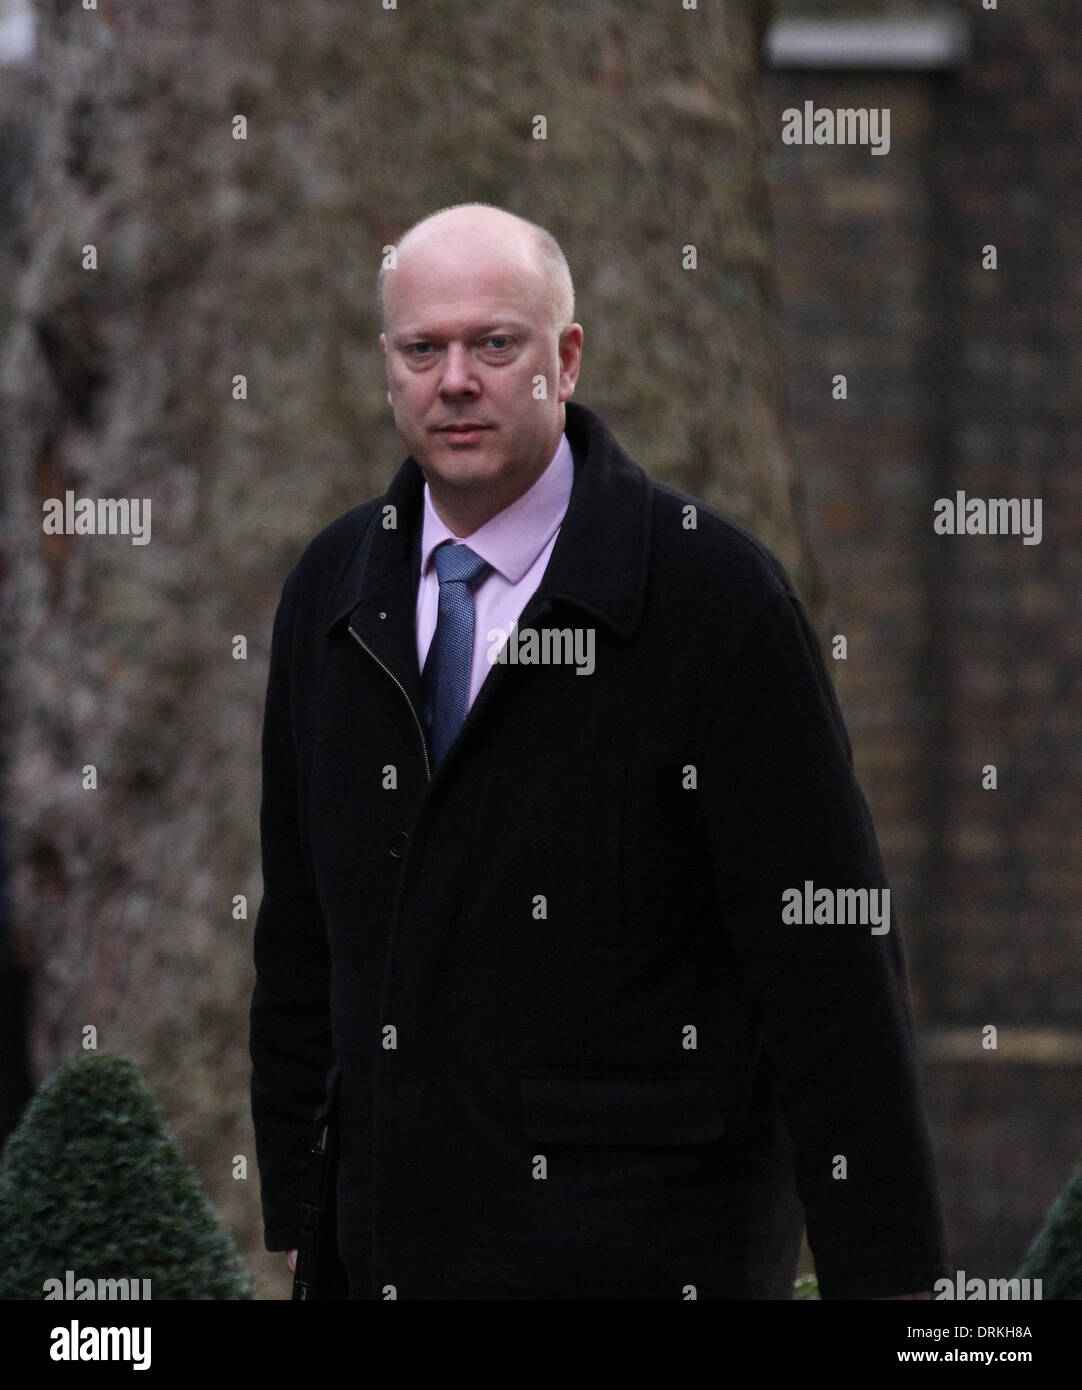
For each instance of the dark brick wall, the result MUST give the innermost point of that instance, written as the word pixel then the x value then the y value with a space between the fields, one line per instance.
pixel 964 650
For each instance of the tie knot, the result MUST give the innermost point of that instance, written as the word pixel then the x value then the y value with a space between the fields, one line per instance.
pixel 458 564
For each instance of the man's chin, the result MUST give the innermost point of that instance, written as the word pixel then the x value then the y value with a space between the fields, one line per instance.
pixel 453 452
pixel 464 467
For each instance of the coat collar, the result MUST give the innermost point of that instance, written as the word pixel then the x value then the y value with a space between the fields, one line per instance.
pixel 598 562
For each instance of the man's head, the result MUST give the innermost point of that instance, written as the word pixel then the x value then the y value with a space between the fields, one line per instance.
pixel 477 329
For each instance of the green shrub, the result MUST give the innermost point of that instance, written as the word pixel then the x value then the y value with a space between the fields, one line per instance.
pixel 1055 1257
pixel 92 1182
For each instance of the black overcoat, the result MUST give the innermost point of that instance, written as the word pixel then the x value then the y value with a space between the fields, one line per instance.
pixel 579 1052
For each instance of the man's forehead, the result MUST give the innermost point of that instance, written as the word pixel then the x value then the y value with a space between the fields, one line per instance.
pixel 463 277
pixel 449 315
pixel 466 241
pixel 456 284
pixel 466 268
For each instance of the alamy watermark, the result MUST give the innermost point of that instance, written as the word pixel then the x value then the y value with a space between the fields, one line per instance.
pixel 97 516
pixel 992 516
pixel 73 1289
pixel 978 1290
pixel 544 646
pixel 848 125
pixel 75 1343
pixel 858 907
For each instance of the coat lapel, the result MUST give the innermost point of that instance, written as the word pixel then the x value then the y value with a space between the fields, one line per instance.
pixel 599 561
pixel 376 594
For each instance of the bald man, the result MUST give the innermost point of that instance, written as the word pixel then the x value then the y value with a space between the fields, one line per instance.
pixel 575 944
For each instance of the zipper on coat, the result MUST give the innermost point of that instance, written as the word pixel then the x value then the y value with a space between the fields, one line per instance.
pixel 405 695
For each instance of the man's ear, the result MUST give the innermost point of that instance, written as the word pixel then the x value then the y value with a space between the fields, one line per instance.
pixel 570 359
pixel 383 345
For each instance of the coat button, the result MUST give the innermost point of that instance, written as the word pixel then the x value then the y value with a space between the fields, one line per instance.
pixel 396 845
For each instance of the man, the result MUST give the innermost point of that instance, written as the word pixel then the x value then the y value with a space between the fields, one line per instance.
pixel 552 765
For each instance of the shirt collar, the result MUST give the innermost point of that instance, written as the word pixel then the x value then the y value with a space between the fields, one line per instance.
pixel 512 540
pixel 599 560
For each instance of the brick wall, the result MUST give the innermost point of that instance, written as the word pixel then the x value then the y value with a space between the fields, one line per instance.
pixel 963 651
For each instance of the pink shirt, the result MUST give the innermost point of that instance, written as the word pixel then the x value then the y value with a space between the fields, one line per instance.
pixel 516 542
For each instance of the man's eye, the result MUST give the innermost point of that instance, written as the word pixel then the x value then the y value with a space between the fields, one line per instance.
pixel 417 349
pixel 499 341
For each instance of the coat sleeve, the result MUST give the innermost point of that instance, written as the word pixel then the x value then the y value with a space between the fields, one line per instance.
pixel 289 1036
pixel 780 806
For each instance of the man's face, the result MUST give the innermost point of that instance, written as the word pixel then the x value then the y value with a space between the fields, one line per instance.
pixel 469 333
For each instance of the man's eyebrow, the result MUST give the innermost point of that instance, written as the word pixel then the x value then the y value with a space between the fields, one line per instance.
pixel 407 336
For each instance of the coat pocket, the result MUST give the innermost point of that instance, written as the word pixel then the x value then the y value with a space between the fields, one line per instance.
pixel 661 1109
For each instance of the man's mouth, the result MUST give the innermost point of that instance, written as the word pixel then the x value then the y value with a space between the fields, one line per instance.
pixel 465 432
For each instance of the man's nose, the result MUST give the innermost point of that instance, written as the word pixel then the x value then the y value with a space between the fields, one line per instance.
pixel 459 377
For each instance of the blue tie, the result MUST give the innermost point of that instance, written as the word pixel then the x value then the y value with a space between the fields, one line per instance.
pixel 446 676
